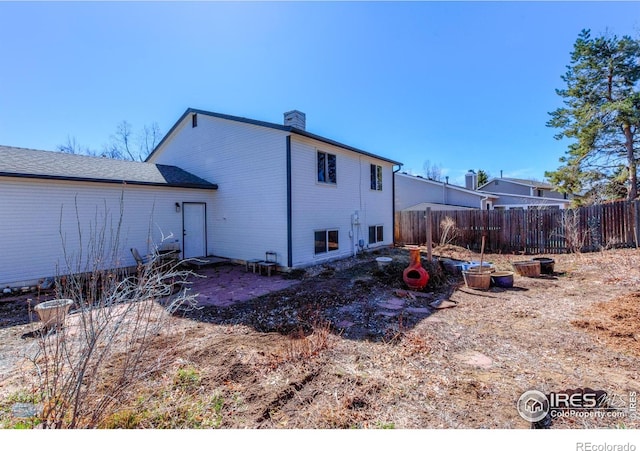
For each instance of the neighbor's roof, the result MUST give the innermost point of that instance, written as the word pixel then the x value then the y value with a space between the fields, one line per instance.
pixel 42 164
pixel 285 128
pixel 526 182
pixel 538 200
pixel 449 186
pixel 437 207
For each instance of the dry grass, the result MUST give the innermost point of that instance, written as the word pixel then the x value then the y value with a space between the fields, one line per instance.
pixel 461 367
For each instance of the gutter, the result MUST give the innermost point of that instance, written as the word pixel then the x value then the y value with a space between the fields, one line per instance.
pixel 211 186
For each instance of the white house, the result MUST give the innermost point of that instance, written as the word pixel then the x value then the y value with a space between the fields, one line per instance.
pixel 54 204
pixel 516 193
pixel 216 185
pixel 413 192
pixel 282 189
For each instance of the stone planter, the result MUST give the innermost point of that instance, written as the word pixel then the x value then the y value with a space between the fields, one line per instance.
pixel 53 313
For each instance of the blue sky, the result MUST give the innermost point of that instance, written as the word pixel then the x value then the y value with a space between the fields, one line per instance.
pixel 465 85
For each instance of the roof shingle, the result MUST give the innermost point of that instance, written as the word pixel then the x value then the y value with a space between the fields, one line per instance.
pixel 29 163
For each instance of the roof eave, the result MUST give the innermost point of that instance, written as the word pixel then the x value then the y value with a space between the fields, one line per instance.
pixel 211 186
pixel 338 144
pixel 284 128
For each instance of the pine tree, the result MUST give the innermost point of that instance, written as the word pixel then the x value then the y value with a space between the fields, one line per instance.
pixel 601 114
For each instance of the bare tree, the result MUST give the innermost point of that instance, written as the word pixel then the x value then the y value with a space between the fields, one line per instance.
pixel 124 144
pixel 432 171
pixel 149 138
pixel 73 147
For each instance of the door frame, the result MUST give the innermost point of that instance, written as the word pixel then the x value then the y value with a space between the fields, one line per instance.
pixel 206 244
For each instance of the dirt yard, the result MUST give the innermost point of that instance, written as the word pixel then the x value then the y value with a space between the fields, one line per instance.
pixel 348 346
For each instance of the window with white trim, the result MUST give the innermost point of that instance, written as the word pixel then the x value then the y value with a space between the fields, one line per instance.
pixel 376 234
pixel 327 171
pixel 325 241
pixel 376 177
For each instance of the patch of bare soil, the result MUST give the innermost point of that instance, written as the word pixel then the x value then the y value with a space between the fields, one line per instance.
pixel 616 322
pixel 350 347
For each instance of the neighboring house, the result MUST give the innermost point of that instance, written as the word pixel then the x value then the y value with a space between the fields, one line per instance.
pixel 50 201
pixel 520 193
pixel 413 192
pixel 282 189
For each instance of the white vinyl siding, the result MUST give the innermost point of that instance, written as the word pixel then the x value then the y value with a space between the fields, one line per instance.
pixel 248 163
pixel 39 214
pixel 315 208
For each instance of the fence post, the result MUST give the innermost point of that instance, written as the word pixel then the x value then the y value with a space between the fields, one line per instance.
pixel 427 217
pixel 636 222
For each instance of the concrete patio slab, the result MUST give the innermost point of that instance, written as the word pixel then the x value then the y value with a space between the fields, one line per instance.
pixel 227 285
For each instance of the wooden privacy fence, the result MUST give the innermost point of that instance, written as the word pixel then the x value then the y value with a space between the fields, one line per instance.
pixel 532 231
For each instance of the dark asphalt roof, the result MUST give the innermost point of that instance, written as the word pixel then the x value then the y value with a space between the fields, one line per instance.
pixel 29 163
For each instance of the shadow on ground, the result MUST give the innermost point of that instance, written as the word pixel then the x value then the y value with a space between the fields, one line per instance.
pixel 361 302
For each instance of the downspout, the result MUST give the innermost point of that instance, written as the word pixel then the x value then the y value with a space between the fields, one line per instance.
pixel 483 203
pixel 393 203
pixel 289 207
pixel 444 194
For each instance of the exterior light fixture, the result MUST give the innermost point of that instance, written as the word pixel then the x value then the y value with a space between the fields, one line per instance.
pixel 177 207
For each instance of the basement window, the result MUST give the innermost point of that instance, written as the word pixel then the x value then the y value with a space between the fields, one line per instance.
pixel 376 234
pixel 325 241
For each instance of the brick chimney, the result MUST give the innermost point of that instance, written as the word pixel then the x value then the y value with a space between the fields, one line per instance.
pixel 295 118
pixel 471 180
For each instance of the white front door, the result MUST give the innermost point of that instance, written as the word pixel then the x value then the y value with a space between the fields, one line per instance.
pixel 194 224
